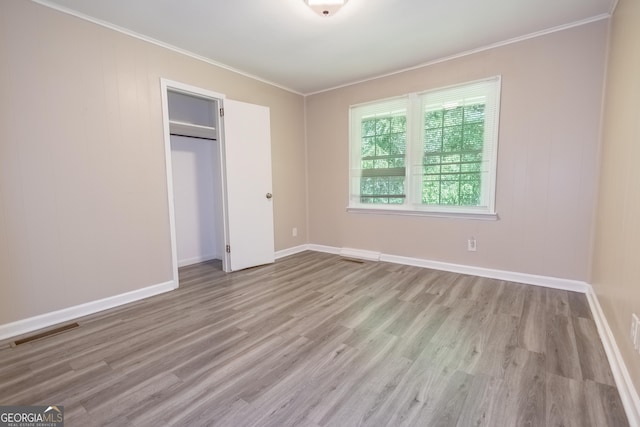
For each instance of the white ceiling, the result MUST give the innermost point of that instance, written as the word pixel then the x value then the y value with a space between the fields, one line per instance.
pixel 284 42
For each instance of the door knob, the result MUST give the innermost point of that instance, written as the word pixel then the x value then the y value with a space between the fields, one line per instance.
pixel 269 195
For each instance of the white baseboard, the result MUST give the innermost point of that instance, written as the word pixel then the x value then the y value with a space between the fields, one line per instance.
pixel 360 254
pixel 325 249
pixel 511 276
pixel 628 393
pixel 195 260
pixel 291 251
pixel 46 320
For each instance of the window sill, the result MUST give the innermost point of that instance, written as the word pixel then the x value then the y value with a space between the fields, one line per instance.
pixel 433 214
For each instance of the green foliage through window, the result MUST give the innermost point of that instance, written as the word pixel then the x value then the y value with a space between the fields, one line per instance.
pixel 452 160
pixel 384 142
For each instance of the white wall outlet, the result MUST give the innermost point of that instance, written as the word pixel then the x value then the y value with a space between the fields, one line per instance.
pixel 294 231
pixel 471 244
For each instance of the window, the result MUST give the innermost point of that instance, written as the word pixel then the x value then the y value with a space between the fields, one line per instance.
pixel 427 152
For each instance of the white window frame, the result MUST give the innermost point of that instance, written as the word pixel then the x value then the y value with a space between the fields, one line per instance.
pixel 413 205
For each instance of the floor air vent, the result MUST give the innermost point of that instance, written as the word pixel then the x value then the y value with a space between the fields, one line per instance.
pixel 48 333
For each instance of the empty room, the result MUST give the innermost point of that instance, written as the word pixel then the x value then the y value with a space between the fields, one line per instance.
pixel 319 213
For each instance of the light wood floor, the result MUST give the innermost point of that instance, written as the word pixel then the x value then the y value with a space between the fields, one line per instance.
pixel 316 340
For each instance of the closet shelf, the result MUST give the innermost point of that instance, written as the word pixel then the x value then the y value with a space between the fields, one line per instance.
pixel 192 130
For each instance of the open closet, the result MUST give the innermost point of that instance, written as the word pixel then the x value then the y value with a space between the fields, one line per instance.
pixel 218 163
pixel 197 177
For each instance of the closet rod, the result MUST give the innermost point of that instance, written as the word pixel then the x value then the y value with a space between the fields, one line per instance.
pixel 195 137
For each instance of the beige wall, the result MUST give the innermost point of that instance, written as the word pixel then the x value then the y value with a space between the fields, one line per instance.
pixel 83 202
pixel 616 266
pixel 548 152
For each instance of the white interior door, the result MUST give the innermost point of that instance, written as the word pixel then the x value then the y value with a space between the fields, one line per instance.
pixel 247 147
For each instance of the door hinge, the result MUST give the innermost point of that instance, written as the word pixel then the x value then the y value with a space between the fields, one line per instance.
pixel 222 112
pixel 228 249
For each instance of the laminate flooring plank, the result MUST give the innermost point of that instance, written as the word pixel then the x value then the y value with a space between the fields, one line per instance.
pixel 225 412
pixel 482 289
pixel 132 398
pixel 445 409
pixel 562 352
pixel 340 313
pixel 336 288
pixel 422 398
pixel 557 301
pixel 324 316
pixel 39 389
pixel 424 299
pixel 89 380
pixel 379 316
pixel 13 373
pixel 408 280
pixel 441 282
pixel 373 286
pixel 367 394
pixel 418 339
pixel 370 360
pixel 247 347
pixel 189 353
pixel 251 381
pixel 456 343
pixel 325 302
pixel 265 323
pixel 411 315
pixel 197 391
pixel 591 352
pixel 532 329
pixel 325 382
pixel 523 394
pixel 566 404
pixel 57 347
pixel 274 368
pixel 510 298
pixel 604 405
pixel 231 414
pixel 579 306
pixel 17 373
pixel 34 376
pixel 291 401
pixel 455 290
pixel 78 416
pixel 495 345
pixel 319 349
pixel 118 384
pixel 269 297
pixel 131 340
pixel 483 408
pixel 493 401
pixel 180 348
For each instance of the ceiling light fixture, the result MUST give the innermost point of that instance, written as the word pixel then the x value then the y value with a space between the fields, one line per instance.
pixel 325 7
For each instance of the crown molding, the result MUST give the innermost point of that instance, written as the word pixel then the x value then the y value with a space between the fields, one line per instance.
pixel 159 43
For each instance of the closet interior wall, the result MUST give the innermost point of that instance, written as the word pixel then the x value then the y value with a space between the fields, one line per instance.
pixel 197 186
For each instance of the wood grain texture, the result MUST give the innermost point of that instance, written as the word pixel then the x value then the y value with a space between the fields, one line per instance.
pixel 315 341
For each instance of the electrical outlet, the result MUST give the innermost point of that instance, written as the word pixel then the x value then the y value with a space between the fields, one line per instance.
pixel 294 231
pixel 471 244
